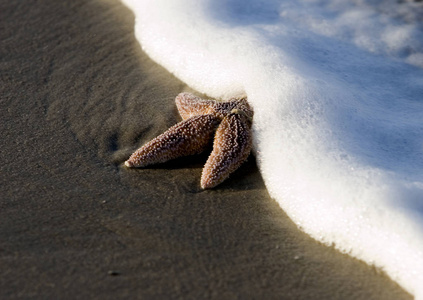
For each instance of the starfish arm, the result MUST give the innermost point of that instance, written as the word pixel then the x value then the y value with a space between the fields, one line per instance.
pixel 188 137
pixel 190 105
pixel 232 145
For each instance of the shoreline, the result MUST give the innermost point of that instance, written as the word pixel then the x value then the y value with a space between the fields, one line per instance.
pixel 78 96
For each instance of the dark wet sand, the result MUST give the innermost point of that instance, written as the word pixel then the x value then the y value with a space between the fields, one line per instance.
pixel 77 97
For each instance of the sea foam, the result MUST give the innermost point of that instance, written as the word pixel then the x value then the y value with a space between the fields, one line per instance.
pixel 337 90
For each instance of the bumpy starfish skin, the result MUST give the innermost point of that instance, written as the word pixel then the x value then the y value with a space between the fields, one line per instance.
pixel 238 106
pixel 176 142
pixel 232 141
pixel 189 105
pixel 232 145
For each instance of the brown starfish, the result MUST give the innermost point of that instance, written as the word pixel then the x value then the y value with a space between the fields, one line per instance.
pixel 231 123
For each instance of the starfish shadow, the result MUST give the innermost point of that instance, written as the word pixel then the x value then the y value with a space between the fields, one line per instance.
pixel 247 177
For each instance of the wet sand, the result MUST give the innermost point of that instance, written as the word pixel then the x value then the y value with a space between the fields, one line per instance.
pixel 77 96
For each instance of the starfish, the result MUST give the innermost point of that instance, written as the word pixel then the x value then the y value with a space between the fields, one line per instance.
pixel 230 124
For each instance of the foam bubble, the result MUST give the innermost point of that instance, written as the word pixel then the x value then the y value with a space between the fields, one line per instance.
pixel 336 89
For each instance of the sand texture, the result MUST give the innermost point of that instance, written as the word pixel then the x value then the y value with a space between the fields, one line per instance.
pixel 77 96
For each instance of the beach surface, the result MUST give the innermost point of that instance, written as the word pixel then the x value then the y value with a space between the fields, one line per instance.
pixel 77 97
